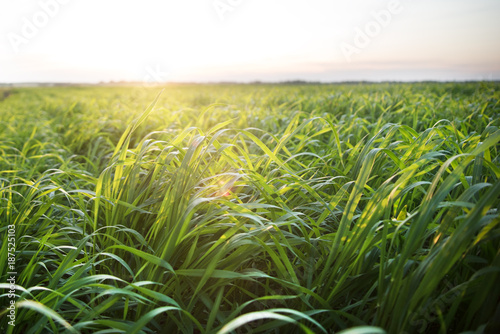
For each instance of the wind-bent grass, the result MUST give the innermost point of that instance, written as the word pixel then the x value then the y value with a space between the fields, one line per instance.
pixel 353 208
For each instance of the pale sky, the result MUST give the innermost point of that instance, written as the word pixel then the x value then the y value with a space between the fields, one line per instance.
pixel 247 40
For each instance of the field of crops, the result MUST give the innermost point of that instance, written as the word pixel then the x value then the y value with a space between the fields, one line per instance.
pixel 367 208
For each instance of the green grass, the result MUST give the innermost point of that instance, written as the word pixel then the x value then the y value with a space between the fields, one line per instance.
pixel 237 208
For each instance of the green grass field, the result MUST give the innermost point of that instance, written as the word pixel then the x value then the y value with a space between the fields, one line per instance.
pixel 251 208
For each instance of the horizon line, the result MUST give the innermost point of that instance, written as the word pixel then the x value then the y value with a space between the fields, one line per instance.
pixel 223 82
